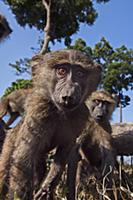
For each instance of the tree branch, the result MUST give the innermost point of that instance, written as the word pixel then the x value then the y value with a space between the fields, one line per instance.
pixel 47 37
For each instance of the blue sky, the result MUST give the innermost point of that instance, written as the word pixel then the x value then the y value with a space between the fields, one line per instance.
pixel 115 23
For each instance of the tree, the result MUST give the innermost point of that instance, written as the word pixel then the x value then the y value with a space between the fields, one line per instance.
pixel 117 67
pixel 65 15
pixel 18 84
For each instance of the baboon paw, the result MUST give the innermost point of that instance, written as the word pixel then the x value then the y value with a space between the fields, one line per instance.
pixel 43 193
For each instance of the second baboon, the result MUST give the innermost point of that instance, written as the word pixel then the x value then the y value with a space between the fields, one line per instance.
pixel 14 104
pixel 55 116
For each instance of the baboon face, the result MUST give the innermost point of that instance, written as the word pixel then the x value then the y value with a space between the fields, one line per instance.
pixel 70 78
pixel 102 105
pixel 100 109
pixel 69 87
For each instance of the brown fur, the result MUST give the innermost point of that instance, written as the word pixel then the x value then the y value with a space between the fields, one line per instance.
pixel 3 130
pixel 94 148
pixel 5 29
pixel 14 104
pixel 55 116
pixel 5 157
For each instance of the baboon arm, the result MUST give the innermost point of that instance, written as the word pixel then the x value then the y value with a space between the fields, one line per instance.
pixel 3 107
pixel 72 173
pixel 21 170
pixel 54 174
pixel 7 150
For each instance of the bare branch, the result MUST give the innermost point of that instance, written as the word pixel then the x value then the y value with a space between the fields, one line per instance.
pixel 47 5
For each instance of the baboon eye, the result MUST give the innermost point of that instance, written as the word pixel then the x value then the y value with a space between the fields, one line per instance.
pixel 61 71
pixel 80 73
pixel 97 101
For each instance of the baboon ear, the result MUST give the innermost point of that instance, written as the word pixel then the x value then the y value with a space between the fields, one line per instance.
pixel 35 63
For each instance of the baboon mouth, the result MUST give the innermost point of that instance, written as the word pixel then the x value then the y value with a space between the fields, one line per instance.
pixel 99 118
pixel 69 106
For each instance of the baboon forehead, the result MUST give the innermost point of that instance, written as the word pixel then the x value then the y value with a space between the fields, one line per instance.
pixel 70 56
pixel 103 96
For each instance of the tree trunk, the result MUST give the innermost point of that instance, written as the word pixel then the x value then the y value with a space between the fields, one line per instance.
pixel 47 37
pixel 123 138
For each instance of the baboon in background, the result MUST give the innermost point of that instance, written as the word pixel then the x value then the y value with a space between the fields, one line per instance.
pixel 5 29
pixel 14 104
pixel 102 105
pixel 55 116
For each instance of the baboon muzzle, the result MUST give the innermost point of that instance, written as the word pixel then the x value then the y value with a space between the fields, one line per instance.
pixel 71 96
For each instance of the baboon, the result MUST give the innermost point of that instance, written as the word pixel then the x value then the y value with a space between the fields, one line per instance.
pixel 14 104
pixel 55 116
pixel 5 29
pixel 101 105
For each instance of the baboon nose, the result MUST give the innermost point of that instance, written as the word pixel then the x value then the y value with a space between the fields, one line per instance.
pixel 67 100
pixel 99 117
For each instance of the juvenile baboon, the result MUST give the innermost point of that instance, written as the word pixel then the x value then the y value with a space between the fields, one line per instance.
pixel 101 105
pixel 14 104
pixel 55 116
pixel 5 29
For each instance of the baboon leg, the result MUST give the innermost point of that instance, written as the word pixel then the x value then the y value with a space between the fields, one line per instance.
pixel 3 107
pixel 13 117
pixel 52 179
pixel 21 170
pixel 40 170
pixel 3 130
pixel 6 158
pixel 72 173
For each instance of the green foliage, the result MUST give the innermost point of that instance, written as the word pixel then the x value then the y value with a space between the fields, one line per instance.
pixel 66 15
pixel 22 66
pixel 119 77
pixel 102 52
pixel 117 67
pixel 18 84
pixel 81 45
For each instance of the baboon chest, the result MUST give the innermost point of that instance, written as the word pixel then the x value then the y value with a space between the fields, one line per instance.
pixel 68 128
